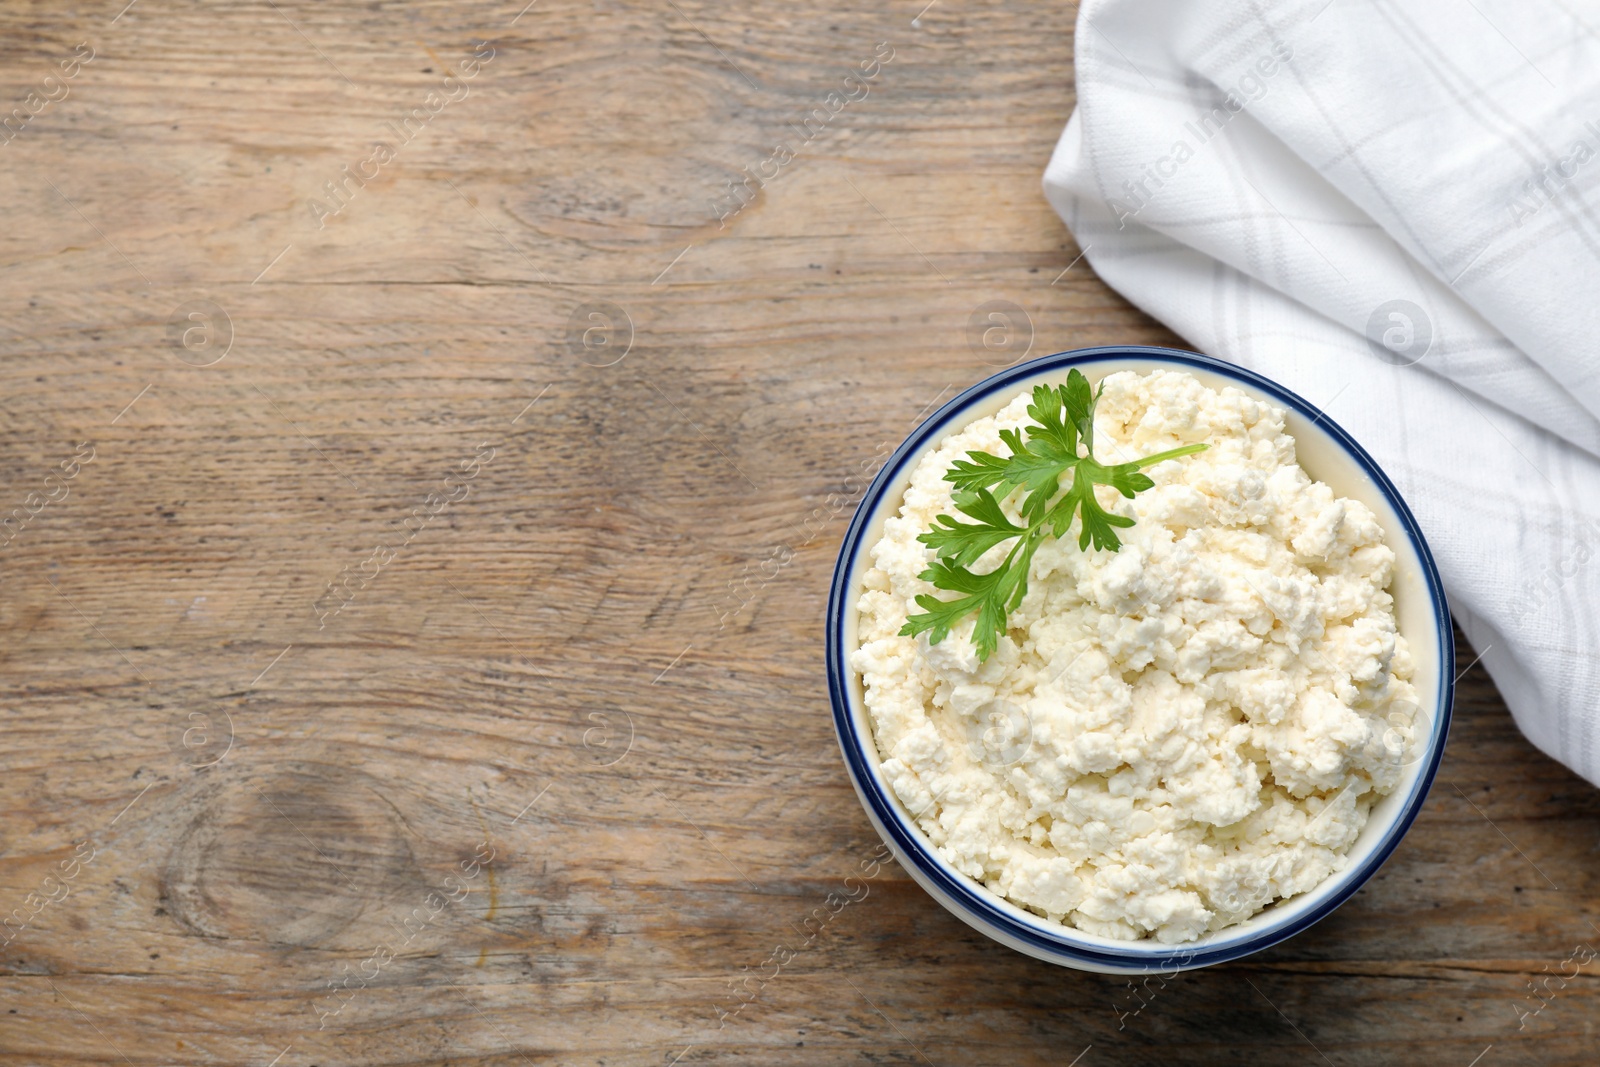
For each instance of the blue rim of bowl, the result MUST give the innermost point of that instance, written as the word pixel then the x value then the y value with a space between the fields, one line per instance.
pixel 963 893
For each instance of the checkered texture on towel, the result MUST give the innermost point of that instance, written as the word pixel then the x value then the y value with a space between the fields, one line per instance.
pixel 1391 209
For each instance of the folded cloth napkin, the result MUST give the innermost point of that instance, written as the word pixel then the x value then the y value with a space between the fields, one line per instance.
pixel 1391 209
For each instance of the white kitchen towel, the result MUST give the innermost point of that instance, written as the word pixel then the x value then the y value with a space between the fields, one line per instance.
pixel 1391 209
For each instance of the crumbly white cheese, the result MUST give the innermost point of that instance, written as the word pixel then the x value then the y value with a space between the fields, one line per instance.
pixel 1171 736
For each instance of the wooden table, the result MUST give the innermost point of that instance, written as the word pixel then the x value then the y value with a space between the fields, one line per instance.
pixel 411 625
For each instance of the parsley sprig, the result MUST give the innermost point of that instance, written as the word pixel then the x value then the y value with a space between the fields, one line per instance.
pixel 1063 422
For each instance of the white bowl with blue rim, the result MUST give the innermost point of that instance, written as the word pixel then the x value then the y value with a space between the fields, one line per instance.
pixel 1327 454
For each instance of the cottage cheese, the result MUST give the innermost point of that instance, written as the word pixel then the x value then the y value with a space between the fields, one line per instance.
pixel 1171 736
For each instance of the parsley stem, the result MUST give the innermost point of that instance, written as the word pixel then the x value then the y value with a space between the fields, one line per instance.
pixel 1171 453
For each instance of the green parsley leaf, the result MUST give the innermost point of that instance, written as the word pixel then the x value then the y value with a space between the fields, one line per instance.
pixel 962 543
pixel 992 596
pixel 1063 419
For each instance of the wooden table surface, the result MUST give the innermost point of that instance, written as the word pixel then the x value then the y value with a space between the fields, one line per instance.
pixel 410 610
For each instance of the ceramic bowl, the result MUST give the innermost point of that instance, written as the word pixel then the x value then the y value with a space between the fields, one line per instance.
pixel 1327 454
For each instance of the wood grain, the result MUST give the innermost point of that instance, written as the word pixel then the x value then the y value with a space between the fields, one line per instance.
pixel 536 792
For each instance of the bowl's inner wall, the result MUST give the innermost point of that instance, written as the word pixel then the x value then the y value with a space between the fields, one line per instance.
pixel 1324 459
